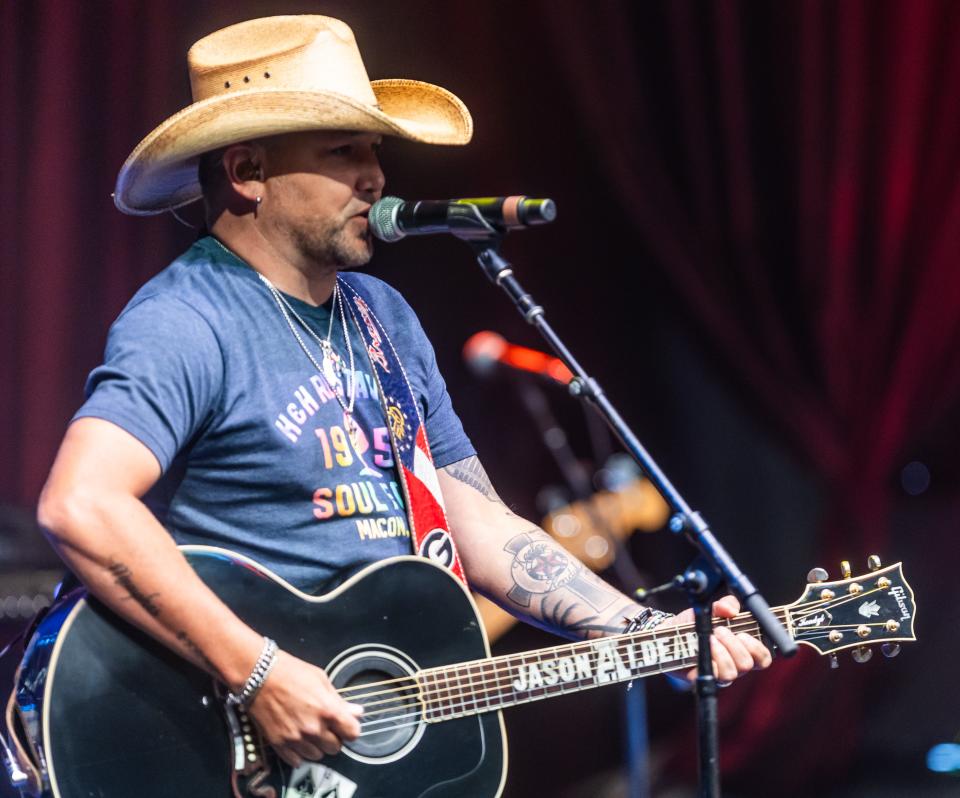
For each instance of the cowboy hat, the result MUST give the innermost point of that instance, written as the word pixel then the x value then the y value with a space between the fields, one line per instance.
pixel 278 75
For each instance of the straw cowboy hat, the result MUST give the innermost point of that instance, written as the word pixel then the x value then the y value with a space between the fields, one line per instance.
pixel 278 75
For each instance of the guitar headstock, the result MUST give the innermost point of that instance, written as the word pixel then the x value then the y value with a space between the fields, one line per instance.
pixel 854 612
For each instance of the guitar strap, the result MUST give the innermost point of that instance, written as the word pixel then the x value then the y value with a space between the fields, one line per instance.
pixel 429 530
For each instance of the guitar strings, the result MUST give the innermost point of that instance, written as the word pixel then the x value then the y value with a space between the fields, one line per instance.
pixel 470 691
pixel 445 705
pixel 739 623
pixel 433 697
pixel 448 712
pixel 472 694
pixel 742 622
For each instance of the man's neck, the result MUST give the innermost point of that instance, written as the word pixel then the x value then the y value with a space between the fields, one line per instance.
pixel 310 282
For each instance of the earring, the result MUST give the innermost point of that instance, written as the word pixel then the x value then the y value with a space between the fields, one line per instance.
pixel 259 200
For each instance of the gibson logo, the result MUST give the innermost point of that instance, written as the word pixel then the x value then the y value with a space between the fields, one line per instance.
pixel 814 620
pixel 900 596
pixel 610 661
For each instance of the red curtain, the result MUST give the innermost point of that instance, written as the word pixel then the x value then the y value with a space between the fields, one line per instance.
pixel 69 261
pixel 791 168
pixel 794 171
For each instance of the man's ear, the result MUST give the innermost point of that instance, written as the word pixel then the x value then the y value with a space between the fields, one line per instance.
pixel 243 165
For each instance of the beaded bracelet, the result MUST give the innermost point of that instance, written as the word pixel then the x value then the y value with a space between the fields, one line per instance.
pixel 645 620
pixel 261 668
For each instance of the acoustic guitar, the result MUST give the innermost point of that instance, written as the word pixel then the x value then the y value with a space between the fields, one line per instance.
pixel 108 712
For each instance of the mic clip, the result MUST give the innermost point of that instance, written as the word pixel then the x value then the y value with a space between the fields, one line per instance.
pixel 467 223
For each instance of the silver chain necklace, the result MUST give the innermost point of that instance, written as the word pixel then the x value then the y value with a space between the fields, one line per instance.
pixel 330 359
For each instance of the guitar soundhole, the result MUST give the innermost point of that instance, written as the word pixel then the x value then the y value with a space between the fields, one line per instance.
pixel 381 680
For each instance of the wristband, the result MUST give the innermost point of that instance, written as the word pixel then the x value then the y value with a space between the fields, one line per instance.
pixel 646 620
pixel 261 668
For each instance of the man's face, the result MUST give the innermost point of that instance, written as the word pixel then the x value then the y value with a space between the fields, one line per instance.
pixel 318 189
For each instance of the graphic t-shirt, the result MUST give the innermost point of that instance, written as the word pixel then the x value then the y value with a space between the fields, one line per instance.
pixel 256 453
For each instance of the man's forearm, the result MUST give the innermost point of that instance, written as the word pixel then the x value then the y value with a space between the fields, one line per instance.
pixel 552 589
pixel 523 569
pixel 128 560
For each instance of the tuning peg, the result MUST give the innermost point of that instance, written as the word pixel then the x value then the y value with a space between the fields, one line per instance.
pixel 845 571
pixel 861 654
pixel 817 575
pixel 873 562
pixel 834 662
pixel 890 650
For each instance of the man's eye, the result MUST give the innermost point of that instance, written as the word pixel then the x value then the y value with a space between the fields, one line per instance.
pixel 344 150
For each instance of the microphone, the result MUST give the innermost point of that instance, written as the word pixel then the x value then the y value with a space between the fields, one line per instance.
pixel 392 218
pixel 486 350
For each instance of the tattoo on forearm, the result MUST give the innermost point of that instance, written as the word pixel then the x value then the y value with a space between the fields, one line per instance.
pixel 558 614
pixel 123 577
pixel 541 567
pixel 470 472
pixel 189 644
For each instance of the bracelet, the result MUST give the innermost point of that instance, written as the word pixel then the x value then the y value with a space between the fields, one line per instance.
pixel 266 660
pixel 646 620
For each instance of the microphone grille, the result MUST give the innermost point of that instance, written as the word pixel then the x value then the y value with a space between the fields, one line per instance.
pixel 383 219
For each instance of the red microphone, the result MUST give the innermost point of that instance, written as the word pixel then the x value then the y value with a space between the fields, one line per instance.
pixel 483 351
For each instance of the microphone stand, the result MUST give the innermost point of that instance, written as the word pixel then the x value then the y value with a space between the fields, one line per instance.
pixel 713 566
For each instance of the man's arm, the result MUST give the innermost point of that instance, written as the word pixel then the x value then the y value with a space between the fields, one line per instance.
pixel 520 567
pixel 91 511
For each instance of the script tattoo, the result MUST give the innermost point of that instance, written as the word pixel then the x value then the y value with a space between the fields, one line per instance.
pixel 541 567
pixel 188 643
pixel 123 576
pixel 470 472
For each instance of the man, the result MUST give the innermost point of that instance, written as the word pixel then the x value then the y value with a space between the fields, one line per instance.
pixel 245 399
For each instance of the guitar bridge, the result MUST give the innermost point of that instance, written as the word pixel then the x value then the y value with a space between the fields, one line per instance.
pixel 251 770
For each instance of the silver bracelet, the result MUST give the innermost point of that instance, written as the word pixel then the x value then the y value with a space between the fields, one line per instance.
pixel 646 620
pixel 261 668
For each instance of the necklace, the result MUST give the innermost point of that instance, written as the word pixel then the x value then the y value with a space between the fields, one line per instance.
pixel 331 369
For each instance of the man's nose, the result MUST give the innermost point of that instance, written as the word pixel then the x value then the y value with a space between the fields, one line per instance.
pixel 371 179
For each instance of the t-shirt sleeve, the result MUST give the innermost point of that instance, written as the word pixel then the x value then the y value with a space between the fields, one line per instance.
pixel 448 441
pixel 161 377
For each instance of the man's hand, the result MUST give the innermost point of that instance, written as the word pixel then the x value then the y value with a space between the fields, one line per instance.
pixel 301 714
pixel 733 654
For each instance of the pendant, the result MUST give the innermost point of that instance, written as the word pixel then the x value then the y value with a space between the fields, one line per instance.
pixel 360 445
pixel 332 365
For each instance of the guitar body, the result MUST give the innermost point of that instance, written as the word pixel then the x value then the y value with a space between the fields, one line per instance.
pixel 112 714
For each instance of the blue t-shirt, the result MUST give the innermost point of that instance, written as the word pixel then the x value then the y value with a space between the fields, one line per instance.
pixel 202 368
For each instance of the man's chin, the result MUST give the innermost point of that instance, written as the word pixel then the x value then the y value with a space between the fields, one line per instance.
pixel 355 260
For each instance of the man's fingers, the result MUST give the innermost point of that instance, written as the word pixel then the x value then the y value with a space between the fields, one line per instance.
pixel 329 742
pixel 741 656
pixel 758 651
pixel 724 667
pixel 727 607
pixel 289 756
pixel 347 726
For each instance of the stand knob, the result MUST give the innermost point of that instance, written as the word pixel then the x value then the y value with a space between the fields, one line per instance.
pixel 845 572
pixel 890 650
pixel 861 654
pixel 873 562
pixel 834 662
pixel 817 575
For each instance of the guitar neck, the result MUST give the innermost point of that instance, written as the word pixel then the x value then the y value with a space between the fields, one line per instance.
pixel 487 685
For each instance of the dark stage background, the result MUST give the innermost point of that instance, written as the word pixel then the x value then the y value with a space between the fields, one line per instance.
pixel 756 253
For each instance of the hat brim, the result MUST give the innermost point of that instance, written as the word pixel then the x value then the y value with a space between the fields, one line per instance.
pixel 161 173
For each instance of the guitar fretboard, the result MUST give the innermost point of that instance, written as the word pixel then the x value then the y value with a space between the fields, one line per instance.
pixel 487 685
